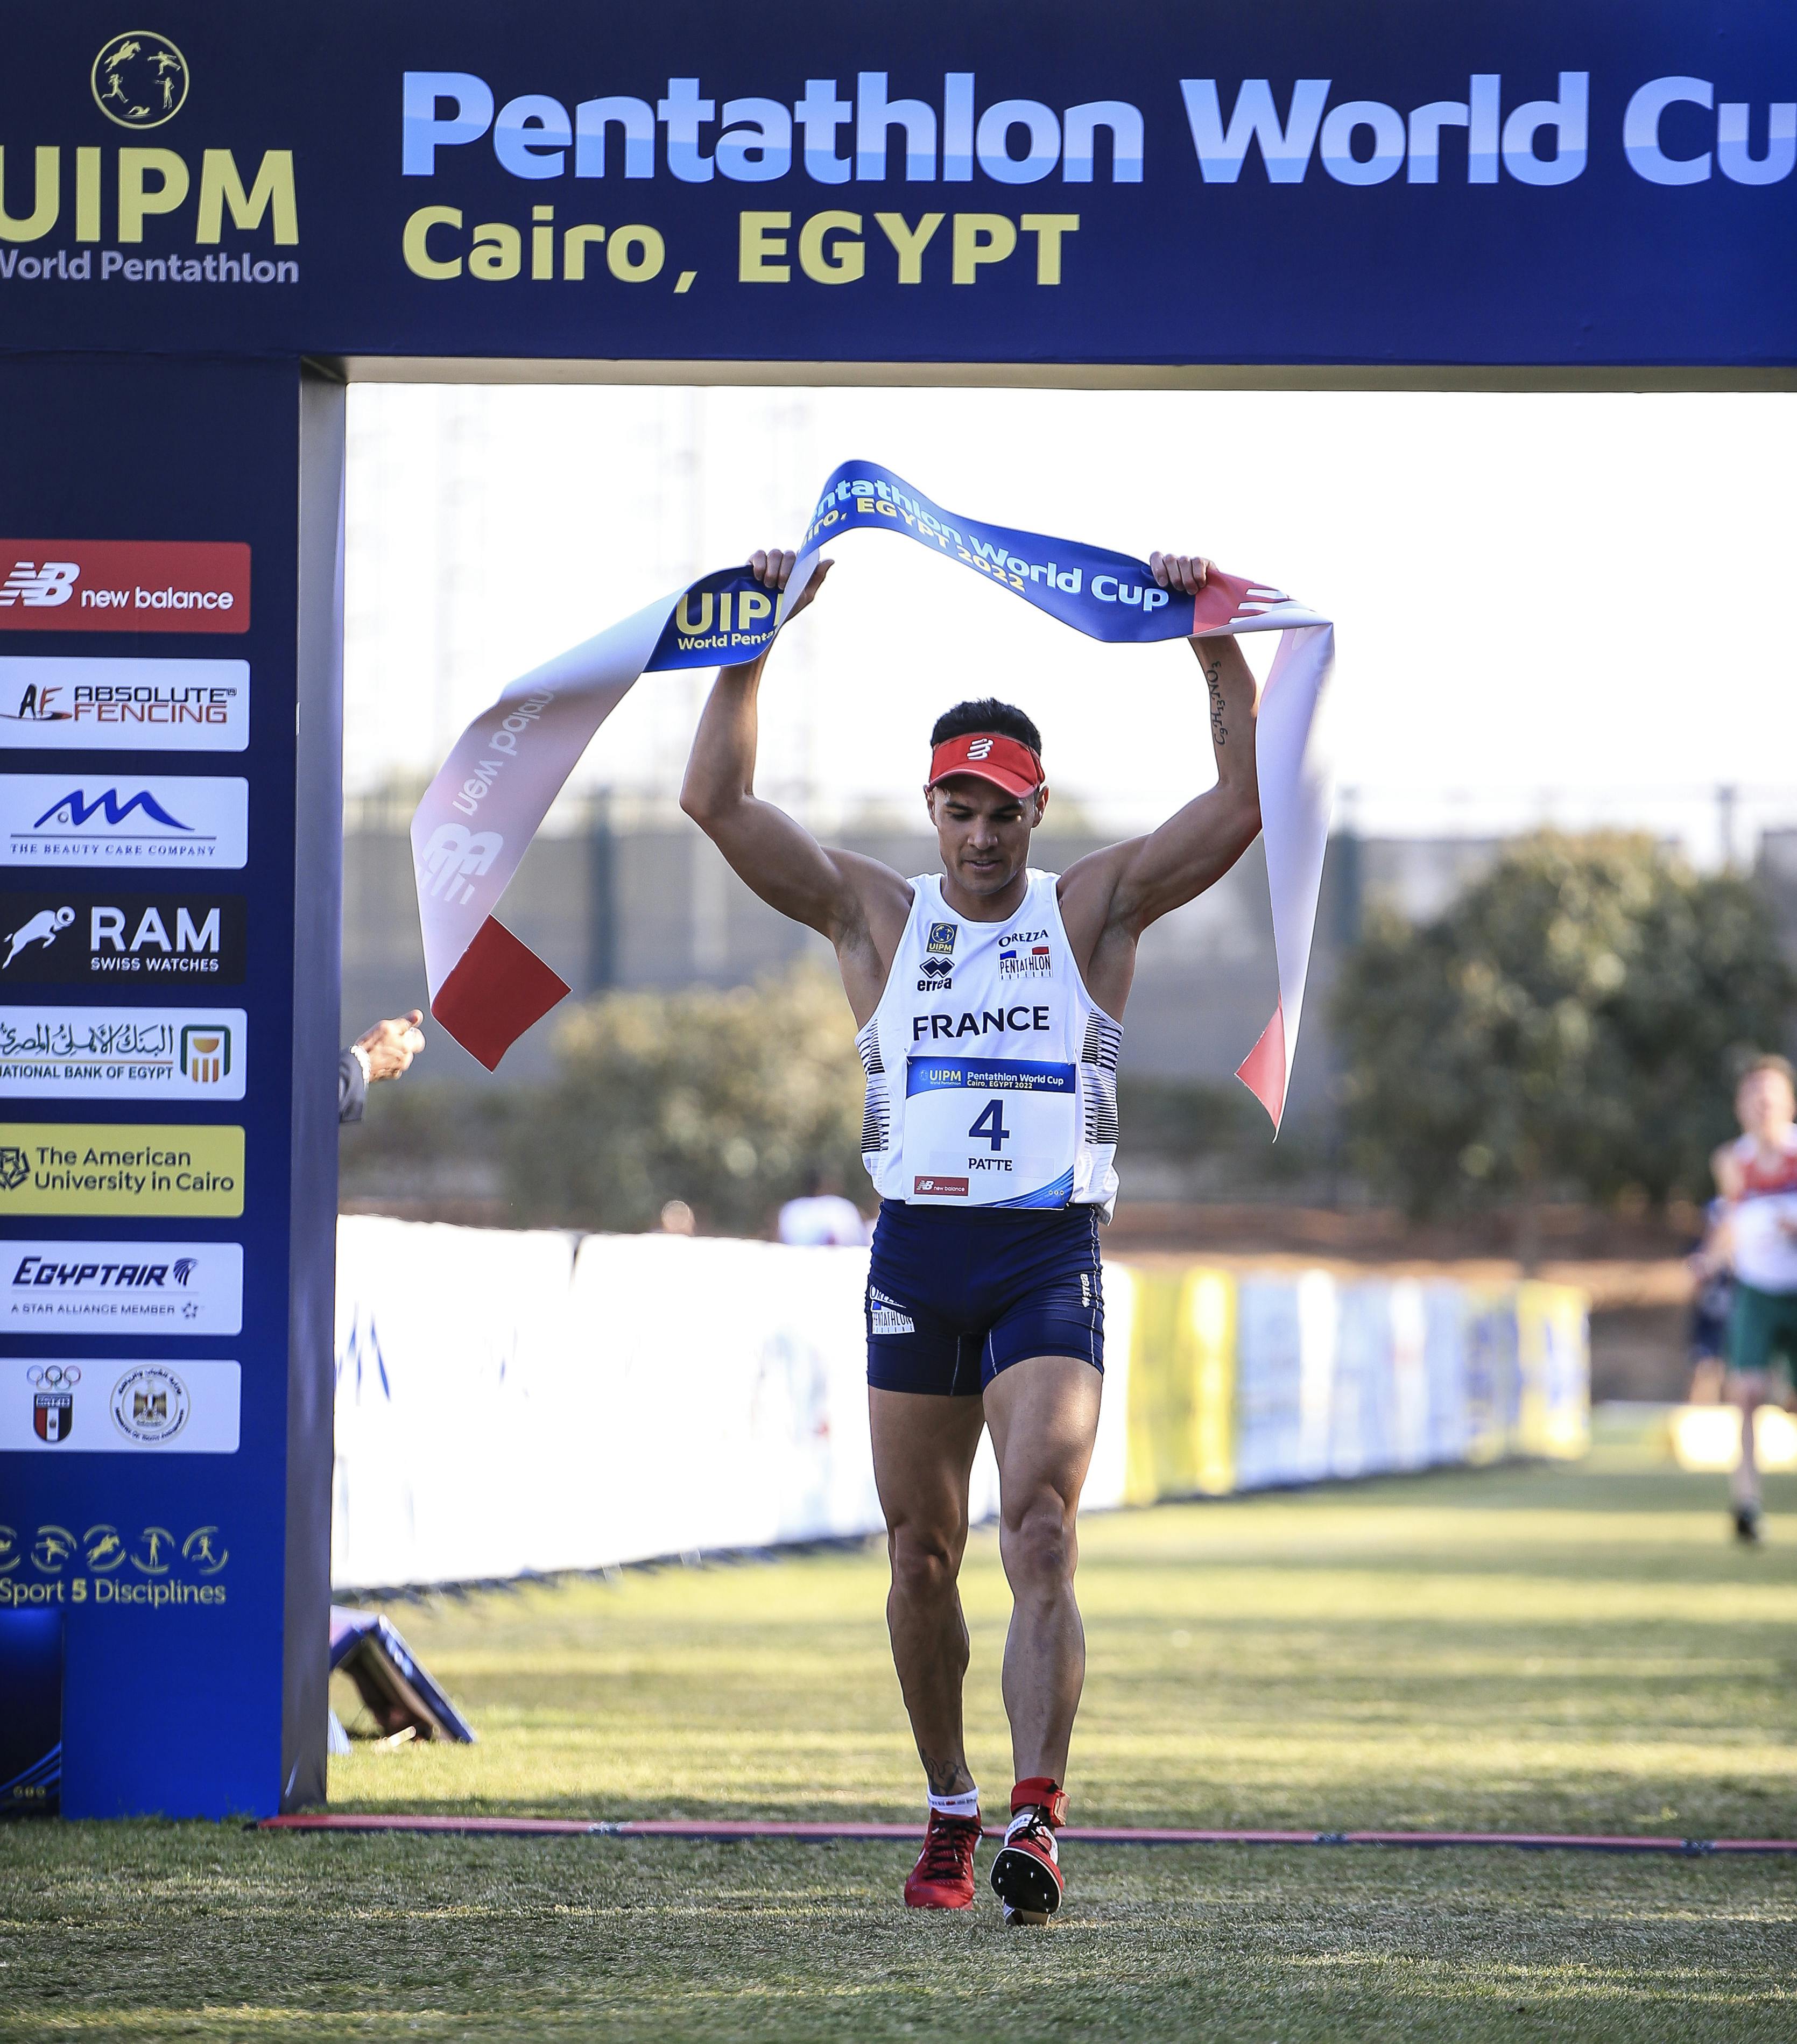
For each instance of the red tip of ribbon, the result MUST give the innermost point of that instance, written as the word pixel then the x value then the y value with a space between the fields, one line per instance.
pixel 1263 1070
pixel 498 988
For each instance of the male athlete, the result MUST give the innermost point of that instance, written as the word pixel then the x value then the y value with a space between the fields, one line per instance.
pixel 1756 1182
pixel 989 1001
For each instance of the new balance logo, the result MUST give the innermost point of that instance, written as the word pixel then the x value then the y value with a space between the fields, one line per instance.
pixel 455 857
pixel 39 588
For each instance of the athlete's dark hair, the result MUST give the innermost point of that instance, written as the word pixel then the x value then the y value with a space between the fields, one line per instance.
pixel 986 714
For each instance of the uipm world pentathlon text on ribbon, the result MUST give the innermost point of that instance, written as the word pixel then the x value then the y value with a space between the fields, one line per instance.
pixel 479 815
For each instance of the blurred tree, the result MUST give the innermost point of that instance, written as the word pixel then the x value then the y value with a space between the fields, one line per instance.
pixel 724 1098
pixel 1566 1027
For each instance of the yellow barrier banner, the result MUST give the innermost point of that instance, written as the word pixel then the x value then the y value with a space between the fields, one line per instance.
pixel 1554 1406
pixel 1182 1385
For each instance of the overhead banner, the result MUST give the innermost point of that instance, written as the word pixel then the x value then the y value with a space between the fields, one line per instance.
pixel 478 817
pixel 1302 183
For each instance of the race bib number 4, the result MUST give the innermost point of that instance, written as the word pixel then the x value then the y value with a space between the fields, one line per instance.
pixel 989 1132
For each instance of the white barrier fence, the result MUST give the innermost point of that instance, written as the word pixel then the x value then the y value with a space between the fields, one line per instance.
pixel 510 1403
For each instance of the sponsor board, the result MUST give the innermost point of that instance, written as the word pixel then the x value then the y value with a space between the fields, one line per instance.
pixel 104 1405
pixel 121 1288
pixel 123 820
pixel 122 1053
pixel 57 936
pixel 134 1169
pixel 79 704
pixel 123 585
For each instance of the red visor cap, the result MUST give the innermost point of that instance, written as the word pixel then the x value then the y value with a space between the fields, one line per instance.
pixel 988 755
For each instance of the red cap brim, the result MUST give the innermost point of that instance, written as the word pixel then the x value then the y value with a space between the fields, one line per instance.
pixel 1006 763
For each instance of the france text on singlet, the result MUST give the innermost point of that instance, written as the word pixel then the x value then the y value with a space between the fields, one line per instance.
pixel 992 1075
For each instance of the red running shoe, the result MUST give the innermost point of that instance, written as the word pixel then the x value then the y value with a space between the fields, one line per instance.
pixel 1026 1876
pixel 943 1876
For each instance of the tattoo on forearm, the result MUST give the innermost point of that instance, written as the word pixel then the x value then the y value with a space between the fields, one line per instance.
pixel 1219 731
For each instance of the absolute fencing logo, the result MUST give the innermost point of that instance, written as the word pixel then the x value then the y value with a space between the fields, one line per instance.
pixel 122 1287
pixel 94 705
pixel 66 937
pixel 125 585
pixel 54 820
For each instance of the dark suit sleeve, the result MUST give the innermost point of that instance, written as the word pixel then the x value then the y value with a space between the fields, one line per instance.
pixel 352 1088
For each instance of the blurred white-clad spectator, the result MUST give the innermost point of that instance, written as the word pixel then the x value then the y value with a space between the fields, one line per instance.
pixel 821 1217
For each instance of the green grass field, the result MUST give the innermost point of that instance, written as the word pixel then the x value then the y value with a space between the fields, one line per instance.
pixel 1525 1648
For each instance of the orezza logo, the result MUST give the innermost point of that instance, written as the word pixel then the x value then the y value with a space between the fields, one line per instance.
pixel 140 79
pixel 66 937
pixel 48 819
pixel 125 585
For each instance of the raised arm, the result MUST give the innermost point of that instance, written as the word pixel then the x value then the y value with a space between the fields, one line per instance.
pixel 1109 899
pixel 859 904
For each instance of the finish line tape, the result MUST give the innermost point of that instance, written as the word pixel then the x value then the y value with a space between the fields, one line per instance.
pixel 479 815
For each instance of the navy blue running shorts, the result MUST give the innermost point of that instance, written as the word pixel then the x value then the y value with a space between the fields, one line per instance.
pixel 954 1298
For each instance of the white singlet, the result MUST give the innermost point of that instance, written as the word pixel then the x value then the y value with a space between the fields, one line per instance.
pixel 1764 1255
pixel 992 1075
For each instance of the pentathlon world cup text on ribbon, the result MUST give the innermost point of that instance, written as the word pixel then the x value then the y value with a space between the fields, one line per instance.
pixel 479 815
